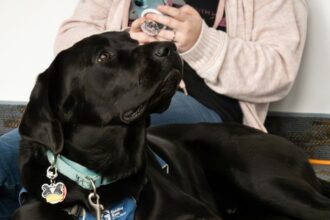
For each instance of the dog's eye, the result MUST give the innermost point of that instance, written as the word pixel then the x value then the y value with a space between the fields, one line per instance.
pixel 103 57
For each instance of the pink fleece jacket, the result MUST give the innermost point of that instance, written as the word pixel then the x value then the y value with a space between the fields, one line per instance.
pixel 256 61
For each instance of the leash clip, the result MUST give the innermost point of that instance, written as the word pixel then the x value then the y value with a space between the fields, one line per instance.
pixel 52 173
pixel 94 201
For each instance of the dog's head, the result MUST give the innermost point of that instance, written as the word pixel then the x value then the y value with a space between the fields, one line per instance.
pixel 109 78
pixel 103 80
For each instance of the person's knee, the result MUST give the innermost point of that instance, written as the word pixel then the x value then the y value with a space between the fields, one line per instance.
pixel 11 138
pixel 185 109
pixel 9 172
pixel 9 146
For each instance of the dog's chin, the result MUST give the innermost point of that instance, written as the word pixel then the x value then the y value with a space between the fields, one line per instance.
pixel 159 102
pixel 170 84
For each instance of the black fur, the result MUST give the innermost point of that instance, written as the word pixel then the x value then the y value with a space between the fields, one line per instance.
pixel 96 112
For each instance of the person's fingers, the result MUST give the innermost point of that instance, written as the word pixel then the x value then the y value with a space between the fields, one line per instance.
pixel 142 37
pixel 168 35
pixel 165 20
pixel 161 38
pixel 172 12
pixel 137 34
pixel 187 10
pixel 135 26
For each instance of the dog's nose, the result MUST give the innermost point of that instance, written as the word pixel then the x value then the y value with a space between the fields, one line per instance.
pixel 164 49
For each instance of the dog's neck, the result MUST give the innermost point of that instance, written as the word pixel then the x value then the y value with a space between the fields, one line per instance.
pixel 115 151
pixel 84 177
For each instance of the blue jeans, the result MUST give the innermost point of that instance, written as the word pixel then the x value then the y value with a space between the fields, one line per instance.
pixel 9 173
pixel 183 109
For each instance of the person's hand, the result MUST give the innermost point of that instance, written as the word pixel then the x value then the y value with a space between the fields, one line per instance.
pixel 137 34
pixel 185 24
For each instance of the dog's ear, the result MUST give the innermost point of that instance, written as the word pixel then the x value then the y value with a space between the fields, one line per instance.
pixel 39 123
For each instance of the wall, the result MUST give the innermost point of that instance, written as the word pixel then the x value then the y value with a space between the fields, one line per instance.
pixel 311 92
pixel 28 30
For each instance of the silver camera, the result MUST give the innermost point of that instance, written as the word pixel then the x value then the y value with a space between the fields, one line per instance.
pixel 143 7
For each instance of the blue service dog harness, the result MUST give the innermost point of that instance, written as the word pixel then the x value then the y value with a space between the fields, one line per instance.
pixel 123 210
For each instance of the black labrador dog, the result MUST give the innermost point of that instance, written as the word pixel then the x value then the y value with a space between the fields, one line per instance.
pixel 90 111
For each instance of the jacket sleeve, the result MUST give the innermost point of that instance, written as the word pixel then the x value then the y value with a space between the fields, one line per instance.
pixel 259 65
pixel 89 17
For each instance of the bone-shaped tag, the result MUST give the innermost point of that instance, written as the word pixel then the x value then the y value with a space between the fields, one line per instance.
pixel 54 193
